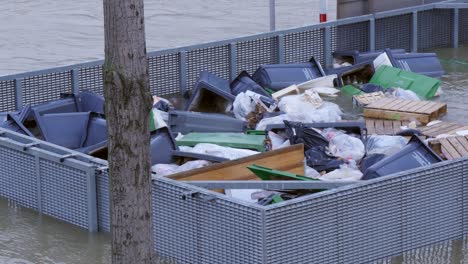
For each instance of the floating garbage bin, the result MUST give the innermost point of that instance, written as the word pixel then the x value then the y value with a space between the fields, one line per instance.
pixel 357 74
pixel 354 56
pixel 65 129
pixel 424 86
pixel 66 105
pixel 162 146
pixel 279 76
pixel 233 140
pixel 14 121
pixel 90 102
pixel 415 154
pixel 423 63
pixel 244 82
pixel 96 135
pixel 185 122
pixel 211 94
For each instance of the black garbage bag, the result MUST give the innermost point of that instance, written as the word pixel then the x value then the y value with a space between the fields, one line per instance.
pixel 370 160
pixel 318 159
pixel 298 133
pixel 372 88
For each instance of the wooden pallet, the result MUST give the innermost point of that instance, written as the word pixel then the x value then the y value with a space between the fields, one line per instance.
pixel 451 147
pixel 365 99
pixel 384 127
pixel 442 128
pixel 400 109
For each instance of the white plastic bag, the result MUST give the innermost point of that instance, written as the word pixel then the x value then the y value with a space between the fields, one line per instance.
pixel 276 140
pixel 382 144
pixel 405 94
pixel 344 173
pixel 219 151
pixel 243 105
pixel 168 169
pixel 330 133
pixel 302 103
pixel 311 173
pixel 347 147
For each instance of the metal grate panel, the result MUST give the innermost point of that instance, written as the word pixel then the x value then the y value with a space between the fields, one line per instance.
pixel 91 79
pixel 463 26
pixel 213 59
pixel 206 231
pixel 253 53
pixel 300 47
pixel 435 29
pixel 42 88
pixel 18 177
pixel 302 232
pixel 353 37
pixel 393 32
pixel 103 199
pixel 64 192
pixel 7 96
pixel 432 208
pixel 164 72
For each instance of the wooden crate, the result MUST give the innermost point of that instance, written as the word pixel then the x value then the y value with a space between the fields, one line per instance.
pixel 384 127
pixel 442 128
pixel 401 109
pixel 451 147
pixel 365 99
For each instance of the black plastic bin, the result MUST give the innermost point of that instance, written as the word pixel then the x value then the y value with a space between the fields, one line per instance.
pixel 185 122
pixel 415 154
pixel 360 73
pixel 244 82
pixel 423 63
pixel 355 56
pixel 279 76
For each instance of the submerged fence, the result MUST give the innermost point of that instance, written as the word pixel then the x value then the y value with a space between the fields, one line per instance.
pixel 359 223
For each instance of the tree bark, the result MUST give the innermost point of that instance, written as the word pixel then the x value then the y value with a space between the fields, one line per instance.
pixel 127 107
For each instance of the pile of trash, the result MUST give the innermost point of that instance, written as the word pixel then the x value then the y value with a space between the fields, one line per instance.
pixel 278 106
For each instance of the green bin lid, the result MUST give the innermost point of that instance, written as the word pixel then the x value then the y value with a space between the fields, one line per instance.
pixel 233 140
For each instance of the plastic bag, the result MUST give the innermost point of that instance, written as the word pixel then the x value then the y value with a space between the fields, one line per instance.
pixel 298 133
pixel 344 173
pixel 371 88
pixel 403 94
pixel 347 147
pixel 382 144
pixel 161 104
pixel 319 159
pixel 311 173
pixel 330 133
pixel 168 169
pixel 243 105
pixel 219 151
pixel 302 103
pixel 276 140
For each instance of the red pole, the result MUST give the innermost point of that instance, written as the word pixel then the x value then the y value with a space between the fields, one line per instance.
pixel 323 11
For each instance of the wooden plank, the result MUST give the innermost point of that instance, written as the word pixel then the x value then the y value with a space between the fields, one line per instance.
pixel 463 141
pixel 418 105
pixel 365 99
pixel 388 124
pixel 397 105
pixel 289 159
pixel 396 126
pixel 394 115
pixel 457 146
pixel 405 105
pixel 381 103
pixel 370 125
pixel 447 149
pixel 442 128
pixel 379 127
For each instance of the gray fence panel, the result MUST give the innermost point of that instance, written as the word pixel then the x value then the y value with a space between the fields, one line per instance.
pixel 164 71
pixel 90 79
pixel 64 192
pixel 435 29
pixel 41 88
pixel 197 230
pixel 463 28
pixel 303 232
pixel 18 177
pixel 393 32
pixel 253 53
pixel 432 205
pixel 213 59
pixel 7 96
pixel 103 199
pixel 353 36
pixel 301 46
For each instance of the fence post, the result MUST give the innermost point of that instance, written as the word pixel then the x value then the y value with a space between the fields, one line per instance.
pixel 272 15
pixel 280 39
pixel 372 34
pixel 18 94
pixel 327 47
pixel 39 185
pixel 232 61
pixel 456 20
pixel 92 200
pixel 414 32
pixel 183 72
pixel 75 81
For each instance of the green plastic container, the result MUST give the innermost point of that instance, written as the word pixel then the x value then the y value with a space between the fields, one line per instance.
pixel 268 174
pixel 424 86
pixel 350 90
pixel 233 140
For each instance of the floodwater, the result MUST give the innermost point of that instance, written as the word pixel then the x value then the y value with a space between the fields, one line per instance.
pixel 46 33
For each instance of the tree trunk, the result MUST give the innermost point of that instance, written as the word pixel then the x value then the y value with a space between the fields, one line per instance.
pixel 127 106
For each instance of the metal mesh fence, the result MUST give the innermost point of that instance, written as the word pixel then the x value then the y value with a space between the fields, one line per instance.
pixel 41 88
pixel 164 71
pixel 206 231
pixel 463 23
pixel 91 79
pixel 393 32
pixel 7 96
pixel 301 46
pixel 435 28
pixel 353 36
pixel 253 53
pixel 102 196
pixel 213 59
